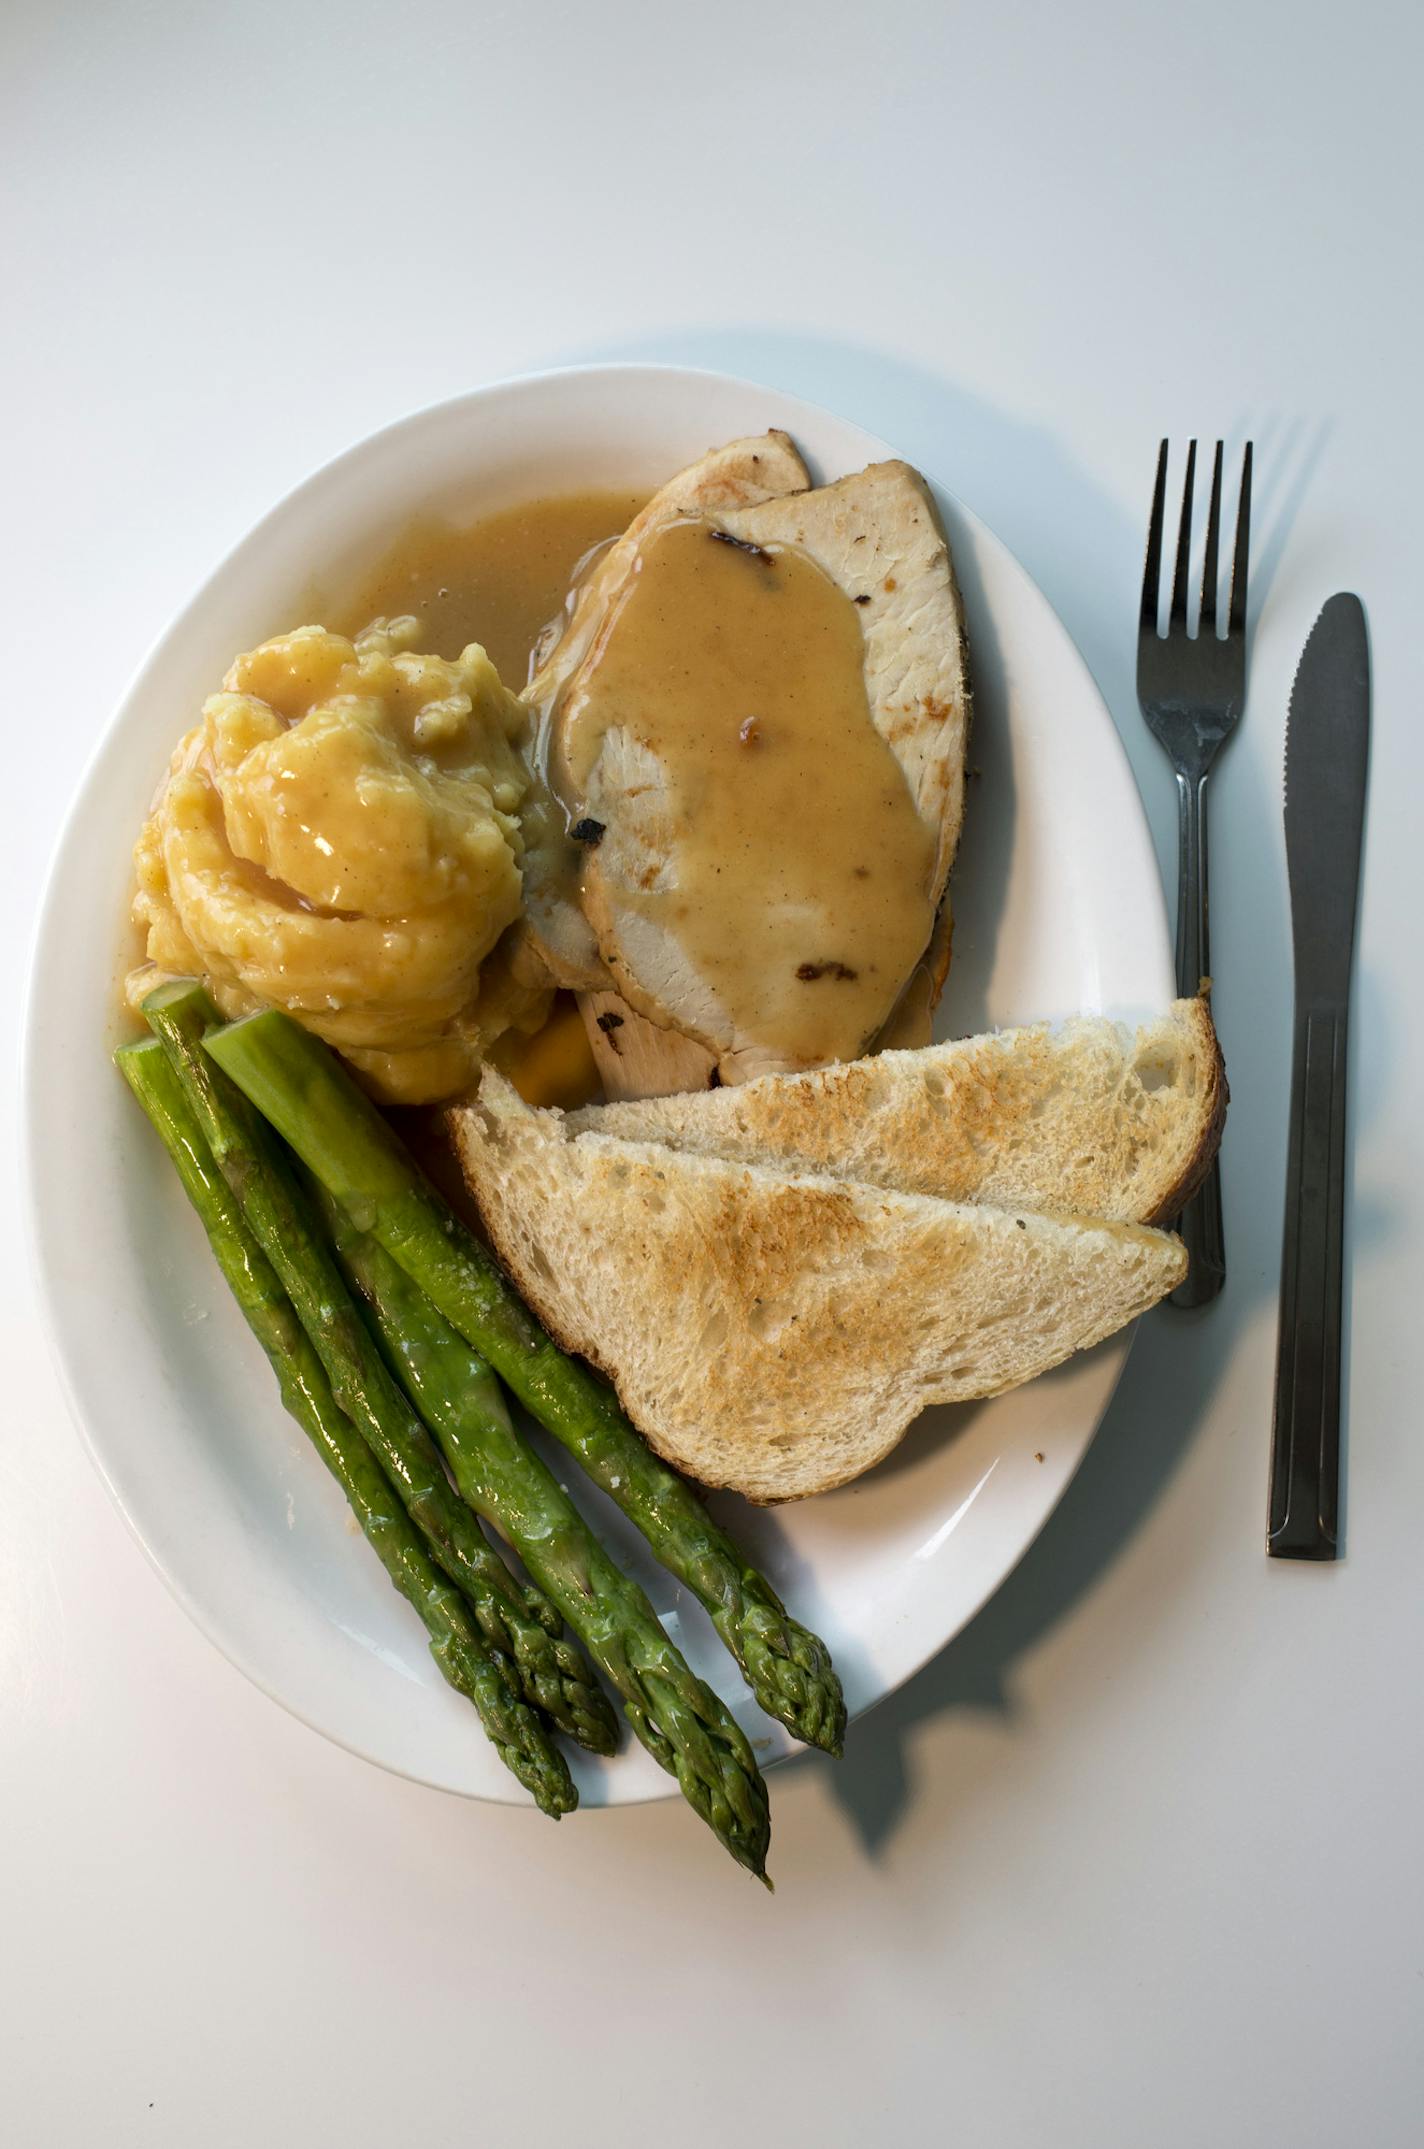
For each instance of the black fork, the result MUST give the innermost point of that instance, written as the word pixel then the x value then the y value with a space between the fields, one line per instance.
pixel 1191 688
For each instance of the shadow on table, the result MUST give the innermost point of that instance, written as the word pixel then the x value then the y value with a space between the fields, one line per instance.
pixel 1085 555
pixel 1161 1400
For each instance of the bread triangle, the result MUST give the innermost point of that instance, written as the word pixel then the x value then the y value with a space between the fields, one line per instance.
pixel 778 1334
pixel 1089 1118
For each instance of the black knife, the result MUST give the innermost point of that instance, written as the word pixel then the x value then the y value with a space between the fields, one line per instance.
pixel 1327 756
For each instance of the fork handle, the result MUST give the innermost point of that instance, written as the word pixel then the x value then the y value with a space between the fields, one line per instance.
pixel 1200 1222
pixel 1193 907
pixel 1305 1441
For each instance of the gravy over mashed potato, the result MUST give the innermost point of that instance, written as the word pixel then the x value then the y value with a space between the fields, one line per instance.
pixel 339 836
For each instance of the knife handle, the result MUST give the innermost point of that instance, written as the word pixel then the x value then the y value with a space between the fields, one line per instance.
pixel 1305 1446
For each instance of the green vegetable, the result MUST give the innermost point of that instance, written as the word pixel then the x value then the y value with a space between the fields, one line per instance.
pixel 551 1672
pixel 679 1719
pixel 302 1088
pixel 458 1647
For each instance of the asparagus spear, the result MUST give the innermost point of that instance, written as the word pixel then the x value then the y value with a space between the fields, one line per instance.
pixel 679 1719
pixel 311 1100
pixel 458 1647
pixel 551 1672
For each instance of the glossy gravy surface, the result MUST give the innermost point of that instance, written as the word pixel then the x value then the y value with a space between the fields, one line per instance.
pixel 800 889
pixel 498 581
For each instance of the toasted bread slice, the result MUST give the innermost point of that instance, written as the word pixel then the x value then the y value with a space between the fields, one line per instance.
pixel 777 1334
pixel 1089 1118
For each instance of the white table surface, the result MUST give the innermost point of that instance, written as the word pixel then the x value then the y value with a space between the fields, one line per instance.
pixel 1138 1860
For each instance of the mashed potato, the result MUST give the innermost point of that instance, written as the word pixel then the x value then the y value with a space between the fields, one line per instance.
pixel 339 836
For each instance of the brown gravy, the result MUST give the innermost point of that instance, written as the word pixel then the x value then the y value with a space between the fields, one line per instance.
pixel 801 890
pixel 497 581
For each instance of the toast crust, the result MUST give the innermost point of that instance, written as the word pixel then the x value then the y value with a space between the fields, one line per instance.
pixel 1218 1097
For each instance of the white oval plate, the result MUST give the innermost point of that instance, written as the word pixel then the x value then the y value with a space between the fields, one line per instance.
pixel 1058 907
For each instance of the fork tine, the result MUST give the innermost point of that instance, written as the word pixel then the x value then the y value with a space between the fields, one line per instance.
pixel 1241 558
pixel 1152 566
pixel 1207 623
pixel 1177 617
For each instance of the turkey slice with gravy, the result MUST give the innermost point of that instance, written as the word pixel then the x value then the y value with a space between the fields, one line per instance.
pixel 754 723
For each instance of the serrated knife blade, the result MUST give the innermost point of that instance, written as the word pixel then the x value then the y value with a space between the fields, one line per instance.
pixel 1327 756
pixel 1327 762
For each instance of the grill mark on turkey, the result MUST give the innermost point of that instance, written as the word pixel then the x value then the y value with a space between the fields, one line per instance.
pixel 742 544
